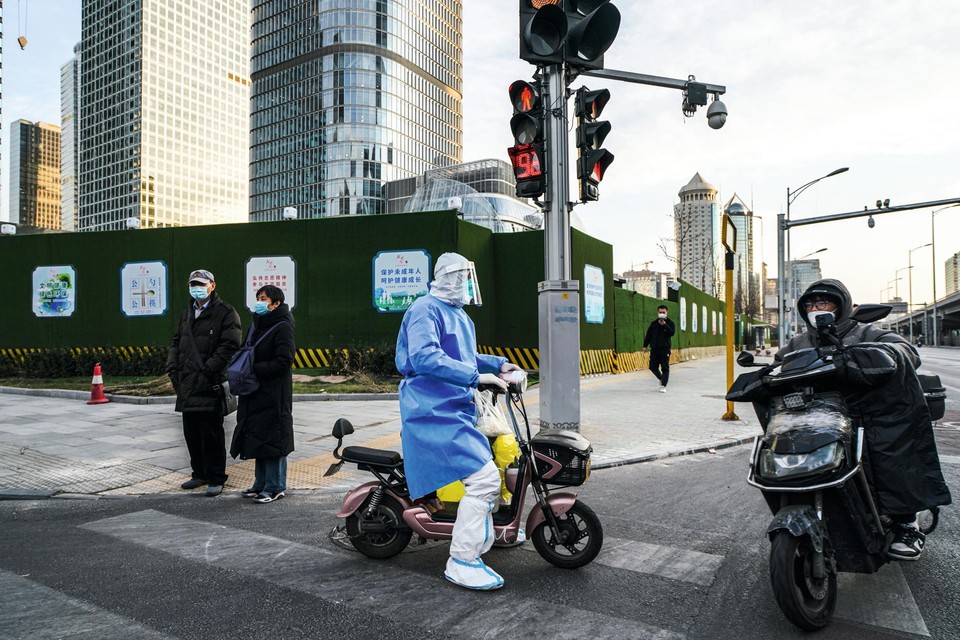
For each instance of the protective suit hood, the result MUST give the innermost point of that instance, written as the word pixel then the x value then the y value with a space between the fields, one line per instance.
pixel 455 281
pixel 831 289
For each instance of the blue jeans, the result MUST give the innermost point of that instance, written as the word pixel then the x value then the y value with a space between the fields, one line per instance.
pixel 270 475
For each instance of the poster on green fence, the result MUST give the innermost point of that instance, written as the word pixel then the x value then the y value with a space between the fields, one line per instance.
pixel 278 271
pixel 399 278
pixel 54 291
pixel 593 308
pixel 143 289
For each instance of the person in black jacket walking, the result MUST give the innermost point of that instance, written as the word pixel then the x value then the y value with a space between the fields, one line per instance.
pixel 658 339
pixel 208 334
pixel 265 417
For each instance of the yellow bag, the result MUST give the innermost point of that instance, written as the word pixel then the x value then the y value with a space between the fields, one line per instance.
pixel 505 452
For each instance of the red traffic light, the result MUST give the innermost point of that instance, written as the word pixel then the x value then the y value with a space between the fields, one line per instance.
pixel 524 96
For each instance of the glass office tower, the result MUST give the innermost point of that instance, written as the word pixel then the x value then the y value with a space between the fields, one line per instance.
pixel 164 113
pixel 348 95
pixel 69 110
pixel 35 174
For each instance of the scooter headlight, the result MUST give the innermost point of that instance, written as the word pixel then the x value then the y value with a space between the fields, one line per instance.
pixel 778 466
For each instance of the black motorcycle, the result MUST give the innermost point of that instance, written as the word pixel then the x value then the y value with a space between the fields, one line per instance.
pixel 809 466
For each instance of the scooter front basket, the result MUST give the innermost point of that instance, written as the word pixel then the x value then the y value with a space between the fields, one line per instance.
pixel 562 457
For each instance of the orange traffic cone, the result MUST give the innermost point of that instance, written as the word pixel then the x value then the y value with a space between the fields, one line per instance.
pixel 96 388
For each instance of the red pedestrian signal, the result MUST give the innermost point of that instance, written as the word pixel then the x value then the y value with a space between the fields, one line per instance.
pixel 527 125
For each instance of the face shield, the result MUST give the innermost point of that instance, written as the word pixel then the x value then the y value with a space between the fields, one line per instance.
pixel 455 281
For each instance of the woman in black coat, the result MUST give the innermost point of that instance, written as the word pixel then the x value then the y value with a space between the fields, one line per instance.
pixel 265 417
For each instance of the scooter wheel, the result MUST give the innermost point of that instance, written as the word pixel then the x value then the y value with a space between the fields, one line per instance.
pixel 380 545
pixel 580 541
pixel 805 600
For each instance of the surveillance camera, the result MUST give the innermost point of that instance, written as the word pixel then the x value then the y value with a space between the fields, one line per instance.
pixel 133 223
pixel 8 229
pixel 716 114
pixel 289 213
pixel 455 203
pixel 871 222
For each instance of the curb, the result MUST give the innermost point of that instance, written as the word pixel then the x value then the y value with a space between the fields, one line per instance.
pixel 85 395
pixel 723 444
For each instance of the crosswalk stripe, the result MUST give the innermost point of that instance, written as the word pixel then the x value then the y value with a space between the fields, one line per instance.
pixel 31 610
pixel 881 599
pixel 371 585
pixel 654 559
pixel 949 459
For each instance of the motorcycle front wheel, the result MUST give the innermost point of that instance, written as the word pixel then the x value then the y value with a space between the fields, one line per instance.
pixel 581 537
pixel 805 600
pixel 380 545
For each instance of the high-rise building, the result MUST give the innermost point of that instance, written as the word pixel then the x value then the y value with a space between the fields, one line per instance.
pixel 164 103
pixel 69 111
pixel 696 228
pixel 748 262
pixel 35 174
pixel 802 274
pixel 952 268
pixel 1 98
pixel 346 100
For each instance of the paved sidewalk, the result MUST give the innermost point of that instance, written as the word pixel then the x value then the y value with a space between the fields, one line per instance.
pixel 64 447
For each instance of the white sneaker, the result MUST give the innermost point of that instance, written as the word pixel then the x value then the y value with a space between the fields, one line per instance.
pixel 663 389
pixel 472 575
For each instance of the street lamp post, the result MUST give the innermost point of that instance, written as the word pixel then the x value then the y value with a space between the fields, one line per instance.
pixel 784 255
pixel 910 294
pixel 933 251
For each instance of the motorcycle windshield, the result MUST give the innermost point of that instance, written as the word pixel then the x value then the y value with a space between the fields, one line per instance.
pixel 818 416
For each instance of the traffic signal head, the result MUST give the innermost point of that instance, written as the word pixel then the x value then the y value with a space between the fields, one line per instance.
pixel 590 104
pixel 593 160
pixel 527 124
pixel 590 169
pixel 574 31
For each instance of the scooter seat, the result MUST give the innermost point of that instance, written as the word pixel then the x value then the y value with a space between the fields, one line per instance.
pixel 366 455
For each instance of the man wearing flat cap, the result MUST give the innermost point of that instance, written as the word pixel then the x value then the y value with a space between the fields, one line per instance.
pixel 206 338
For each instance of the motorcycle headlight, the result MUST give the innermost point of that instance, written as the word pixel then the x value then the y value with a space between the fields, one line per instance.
pixel 777 466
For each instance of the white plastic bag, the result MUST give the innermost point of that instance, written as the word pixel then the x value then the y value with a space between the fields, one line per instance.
pixel 491 420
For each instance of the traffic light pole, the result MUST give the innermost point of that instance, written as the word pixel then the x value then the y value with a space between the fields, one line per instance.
pixel 558 295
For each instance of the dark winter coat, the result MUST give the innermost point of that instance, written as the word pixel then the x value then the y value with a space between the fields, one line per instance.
pixel 217 334
pixel 887 400
pixel 265 418
pixel 658 335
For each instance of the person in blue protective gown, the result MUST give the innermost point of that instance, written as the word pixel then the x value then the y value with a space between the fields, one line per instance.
pixel 437 357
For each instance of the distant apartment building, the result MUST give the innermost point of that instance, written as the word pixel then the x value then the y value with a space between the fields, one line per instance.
pixel 771 311
pixel 748 261
pixel 348 96
pixel 69 112
pixel 802 273
pixel 952 268
pixel 696 228
pixel 35 174
pixel 652 284
pixel 164 102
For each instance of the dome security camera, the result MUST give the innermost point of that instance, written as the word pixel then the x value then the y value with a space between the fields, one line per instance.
pixel 289 213
pixel 871 222
pixel 716 114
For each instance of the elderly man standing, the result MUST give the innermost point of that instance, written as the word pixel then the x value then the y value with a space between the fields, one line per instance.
pixel 206 338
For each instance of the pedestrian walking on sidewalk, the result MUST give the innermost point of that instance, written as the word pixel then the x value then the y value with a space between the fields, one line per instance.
pixel 265 417
pixel 658 339
pixel 208 334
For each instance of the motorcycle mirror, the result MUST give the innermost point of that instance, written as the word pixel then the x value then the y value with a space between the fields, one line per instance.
pixel 867 313
pixel 745 359
pixel 341 428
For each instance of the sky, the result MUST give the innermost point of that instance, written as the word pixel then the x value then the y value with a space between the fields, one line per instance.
pixel 811 87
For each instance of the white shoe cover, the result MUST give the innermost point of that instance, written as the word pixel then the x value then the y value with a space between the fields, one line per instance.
pixel 472 575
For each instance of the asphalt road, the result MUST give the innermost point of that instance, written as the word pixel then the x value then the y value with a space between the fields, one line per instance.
pixel 685 556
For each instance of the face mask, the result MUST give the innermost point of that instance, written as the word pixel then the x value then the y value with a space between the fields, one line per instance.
pixel 261 308
pixel 661 315
pixel 812 317
pixel 198 293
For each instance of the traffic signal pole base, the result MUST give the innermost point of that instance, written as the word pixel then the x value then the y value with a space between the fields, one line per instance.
pixel 559 302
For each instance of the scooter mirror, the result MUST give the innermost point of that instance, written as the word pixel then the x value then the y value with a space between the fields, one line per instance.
pixel 342 427
pixel 745 359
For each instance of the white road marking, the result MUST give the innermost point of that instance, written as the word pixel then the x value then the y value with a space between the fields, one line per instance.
pixel 881 599
pixel 377 586
pixel 31 610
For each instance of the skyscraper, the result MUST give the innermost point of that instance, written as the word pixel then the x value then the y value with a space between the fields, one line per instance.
pixel 35 174
pixel 696 228
pixel 347 100
pixel 748 261
pixel 164 103
pixel 69 111
pixel 1 97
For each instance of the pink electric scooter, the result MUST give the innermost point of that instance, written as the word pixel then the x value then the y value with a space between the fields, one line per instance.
pixel 381 518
